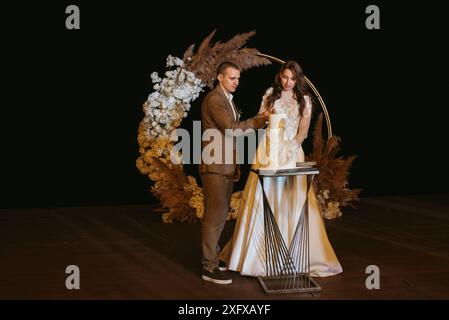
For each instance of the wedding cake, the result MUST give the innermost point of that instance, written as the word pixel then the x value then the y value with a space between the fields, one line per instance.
pixel 276 153
pixel 275 144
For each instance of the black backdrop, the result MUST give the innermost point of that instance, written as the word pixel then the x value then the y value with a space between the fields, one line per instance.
pixel 72 98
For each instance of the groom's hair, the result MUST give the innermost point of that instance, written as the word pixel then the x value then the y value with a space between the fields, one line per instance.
pixel 224 65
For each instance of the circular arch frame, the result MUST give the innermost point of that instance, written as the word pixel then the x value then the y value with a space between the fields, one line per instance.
pixel 323 105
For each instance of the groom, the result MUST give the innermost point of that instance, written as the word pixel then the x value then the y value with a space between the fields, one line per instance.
pixel 219 112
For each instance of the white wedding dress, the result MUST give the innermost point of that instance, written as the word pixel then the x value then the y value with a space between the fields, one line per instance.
pixel 245 252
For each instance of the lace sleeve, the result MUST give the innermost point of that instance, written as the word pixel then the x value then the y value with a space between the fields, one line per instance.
pixel 268 92
pixel 304 122
pixel 289 147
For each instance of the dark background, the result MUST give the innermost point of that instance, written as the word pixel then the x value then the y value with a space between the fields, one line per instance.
pixel 71 99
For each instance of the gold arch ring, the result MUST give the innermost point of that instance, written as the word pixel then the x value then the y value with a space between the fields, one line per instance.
pixel 323 105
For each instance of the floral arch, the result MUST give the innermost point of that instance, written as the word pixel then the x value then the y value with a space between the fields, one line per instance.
pixel 180 196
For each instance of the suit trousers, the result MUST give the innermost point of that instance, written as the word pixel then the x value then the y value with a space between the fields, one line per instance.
pixel 217 191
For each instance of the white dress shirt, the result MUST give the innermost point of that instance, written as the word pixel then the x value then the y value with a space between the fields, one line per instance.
pixel 230 96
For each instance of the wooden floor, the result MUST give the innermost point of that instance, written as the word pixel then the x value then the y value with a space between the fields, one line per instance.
pixel 127 252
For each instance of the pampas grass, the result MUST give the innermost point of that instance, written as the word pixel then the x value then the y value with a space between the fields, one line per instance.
pixel 331 185
pixel 205 61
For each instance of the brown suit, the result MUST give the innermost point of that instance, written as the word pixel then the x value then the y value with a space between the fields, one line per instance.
pixel 217 178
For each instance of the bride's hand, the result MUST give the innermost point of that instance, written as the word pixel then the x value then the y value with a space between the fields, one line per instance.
pixel 266 114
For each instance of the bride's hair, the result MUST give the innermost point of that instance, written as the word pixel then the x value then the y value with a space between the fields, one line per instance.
pixel 299 91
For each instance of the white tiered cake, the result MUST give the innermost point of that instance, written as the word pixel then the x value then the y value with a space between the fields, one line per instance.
pixel 275 143
pixel 279 155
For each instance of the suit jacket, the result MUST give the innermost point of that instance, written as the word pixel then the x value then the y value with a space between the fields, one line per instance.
pixel 216 113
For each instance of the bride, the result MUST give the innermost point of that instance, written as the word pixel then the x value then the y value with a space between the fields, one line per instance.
pixel 245 252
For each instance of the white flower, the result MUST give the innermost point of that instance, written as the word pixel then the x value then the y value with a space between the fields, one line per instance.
pixel 153 96
pixel 190 76
pixel 174 61
pixel 171 102
pixel 181 93
pixel 164 119
pixel 182 76
pixel 170 74
pixel 167 90
pixel 155 77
